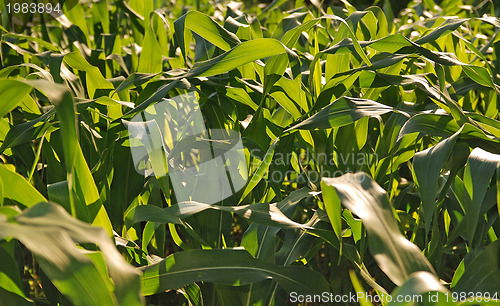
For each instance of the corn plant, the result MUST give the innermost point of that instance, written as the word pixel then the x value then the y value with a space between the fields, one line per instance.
pixel 362 145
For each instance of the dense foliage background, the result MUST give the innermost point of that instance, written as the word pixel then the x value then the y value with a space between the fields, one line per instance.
pixel 371 136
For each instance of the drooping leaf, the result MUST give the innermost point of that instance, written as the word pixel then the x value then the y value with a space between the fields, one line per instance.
pixel 229 267
pixel 97 85
pixel 243 53
pixel 262 213
pixel 395 255
pixel 205 27
pixel 341 112
pixel 76 166
pixel 418 284
pixel 51 233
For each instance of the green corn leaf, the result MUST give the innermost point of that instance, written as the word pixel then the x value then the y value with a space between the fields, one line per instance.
pixel 341 112
pixel 101 14
pixel 482 273
pixel 261 213
pixel 135 79
pixel 333 208
pixel 395 255
pixel 207 28
pixel 11 287
pixel 18 189
pixel 443 30
pixel 261 170
pixel 427 167
pixel 50 233
pixel 242 54
pixel 259 239
pixel 479 75
pixel 150 60
pixel 229 267
pixel 11 94
pixel 416 286
pixel 77 169
pixel 480 167
pixel 97 85
pixel 445 126
pixel 25 132
pixel 37 40
pixel 240 95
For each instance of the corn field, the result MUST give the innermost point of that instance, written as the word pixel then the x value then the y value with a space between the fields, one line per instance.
pixel 218 152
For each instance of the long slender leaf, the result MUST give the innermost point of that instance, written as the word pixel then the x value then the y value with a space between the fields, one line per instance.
pixel 229 267
pixel 396 256
pixel 50 233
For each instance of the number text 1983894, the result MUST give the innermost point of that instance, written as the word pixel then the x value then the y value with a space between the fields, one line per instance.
pixel 32 8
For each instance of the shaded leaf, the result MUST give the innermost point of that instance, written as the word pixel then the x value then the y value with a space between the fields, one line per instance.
pixel 229 267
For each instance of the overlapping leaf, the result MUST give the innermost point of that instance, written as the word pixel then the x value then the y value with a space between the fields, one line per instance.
pixel 396 256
